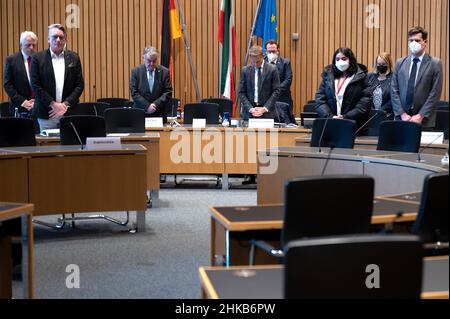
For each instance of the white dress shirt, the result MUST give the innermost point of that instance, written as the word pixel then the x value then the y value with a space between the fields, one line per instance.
pixel 59 69
pixel 25 60
pixel 256 82
pixel 340 93
pixel 412 57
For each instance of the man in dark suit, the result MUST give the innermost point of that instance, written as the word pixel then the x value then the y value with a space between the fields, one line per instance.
pixel 17 76
pixel 150 85
pixel 284 72
pixel 417 82
pixel 259 87
pixel 57 79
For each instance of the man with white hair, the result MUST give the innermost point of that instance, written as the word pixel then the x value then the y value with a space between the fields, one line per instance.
pixel 57 79
pixel 150 85
pixel 17 76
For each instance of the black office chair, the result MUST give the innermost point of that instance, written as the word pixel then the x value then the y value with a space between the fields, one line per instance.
pixel 310 107
pixel 376 117
pixel 442 105
pixel 125 120
pixel 74 128
pixel 283 113
pixel 337 133
pixel 307 119
pixel 433 216
pixel 89 108
pixel 17 132
pixel 367 266
pixel 399 136
pixel 4 109
pixel 320 206
pixel 172 106
pixel 208 111
pixel 114 101
pixel 442 122
pixel 225 105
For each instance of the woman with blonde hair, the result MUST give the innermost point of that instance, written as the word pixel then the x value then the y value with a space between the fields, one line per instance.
pixel 380 83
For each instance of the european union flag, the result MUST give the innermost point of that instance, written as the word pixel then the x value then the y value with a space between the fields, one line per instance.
pixel 266 23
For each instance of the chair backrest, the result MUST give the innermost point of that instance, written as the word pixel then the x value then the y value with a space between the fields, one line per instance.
pixel 208 111
pixel 114 101
pixel 307 119
pixel 83 125
pixel 399 136
pixel 442 105
pixel 282 112
pixel 17 132
pixel 4 109
pixel 442 122
pixel 225 105
pixel 327 205
pixel 337 133
pixel 89 108
pixel 125 120
pixel 375 117
pixel 432 219
pixel 172 106
pixel 310 107
pixel 368 266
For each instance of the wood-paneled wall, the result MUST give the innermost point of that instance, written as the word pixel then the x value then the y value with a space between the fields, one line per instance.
pixel 112 34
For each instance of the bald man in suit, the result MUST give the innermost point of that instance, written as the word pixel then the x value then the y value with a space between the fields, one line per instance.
pixel 417 82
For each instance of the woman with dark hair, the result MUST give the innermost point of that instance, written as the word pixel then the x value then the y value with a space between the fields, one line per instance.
pixel 380 82
pixel 345 92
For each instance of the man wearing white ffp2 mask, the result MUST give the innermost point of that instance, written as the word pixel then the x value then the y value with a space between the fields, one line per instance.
pixel 417 82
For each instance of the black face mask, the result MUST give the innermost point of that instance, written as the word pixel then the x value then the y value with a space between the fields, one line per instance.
pixel 382 69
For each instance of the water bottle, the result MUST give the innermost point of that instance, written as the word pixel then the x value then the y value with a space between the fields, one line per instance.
pixel 179 110
pixel 226 119
pixel 16 112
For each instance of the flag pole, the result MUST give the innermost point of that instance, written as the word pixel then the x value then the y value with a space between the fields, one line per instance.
pixel 252 31
pixel 188 48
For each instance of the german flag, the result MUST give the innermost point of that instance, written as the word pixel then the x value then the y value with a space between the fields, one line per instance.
pixel 170 30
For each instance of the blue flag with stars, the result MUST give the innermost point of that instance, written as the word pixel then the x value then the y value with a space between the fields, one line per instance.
pixel 266 23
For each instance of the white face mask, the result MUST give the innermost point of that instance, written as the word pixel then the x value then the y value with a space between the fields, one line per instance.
pixel 415 47
pixel 272 57
pixel 343 65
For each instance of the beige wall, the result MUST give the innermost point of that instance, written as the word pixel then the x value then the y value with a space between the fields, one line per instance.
pixel 112 34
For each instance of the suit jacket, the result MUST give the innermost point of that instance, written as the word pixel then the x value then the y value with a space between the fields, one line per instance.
pixel 357 96
pixel 160 95
pixel 43 81
pixel 427 91
pixel 268 93
pixel 16 82
pixel 285 73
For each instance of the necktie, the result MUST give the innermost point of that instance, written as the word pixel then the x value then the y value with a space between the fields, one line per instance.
pixel 29 74
pixel 150 80
pixel 259 79
pixel 411 85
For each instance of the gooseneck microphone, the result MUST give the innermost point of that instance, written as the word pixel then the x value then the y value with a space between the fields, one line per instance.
pixel 328 159
pixel 421 149
pixel 367 122
pixel 323 131
pixel 78 136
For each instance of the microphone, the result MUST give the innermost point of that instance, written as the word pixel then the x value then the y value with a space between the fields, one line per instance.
pixel 326 162
pixel 421 149
pixel 323 131
pixel 78 136
pixel 93 93
pixel 367 122
pixel 389 227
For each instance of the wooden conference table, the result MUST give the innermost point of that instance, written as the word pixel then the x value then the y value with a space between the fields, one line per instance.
pixel 394 172
pixel 65 179
pixel 9 211
pixel 232 227
pixel 266 282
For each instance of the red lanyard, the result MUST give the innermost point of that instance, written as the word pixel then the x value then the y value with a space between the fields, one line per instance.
pixel 340 85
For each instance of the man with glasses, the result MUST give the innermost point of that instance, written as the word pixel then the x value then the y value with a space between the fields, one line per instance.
pixel 417 82
pixel 56 78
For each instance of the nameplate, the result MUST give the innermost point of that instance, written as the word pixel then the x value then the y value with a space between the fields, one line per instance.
pixel 154 122
pixel 103 143
pixel 261 123
pixel 198 123
pixel 234 122
pixel 432 138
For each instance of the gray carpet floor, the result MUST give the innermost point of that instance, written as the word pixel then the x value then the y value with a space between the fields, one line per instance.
pixel 114 263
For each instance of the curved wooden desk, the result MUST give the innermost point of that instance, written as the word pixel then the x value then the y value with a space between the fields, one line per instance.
pixel 64 179
pixel 394 172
